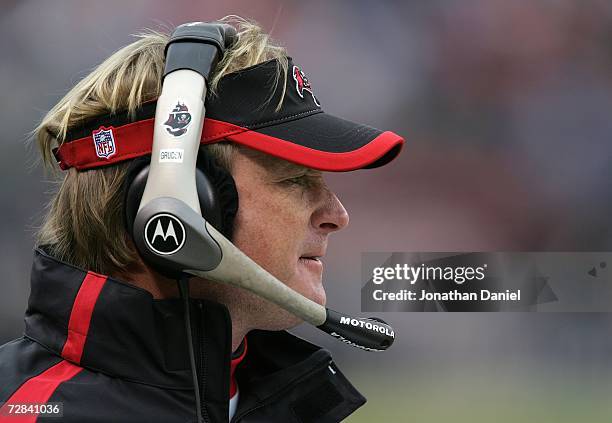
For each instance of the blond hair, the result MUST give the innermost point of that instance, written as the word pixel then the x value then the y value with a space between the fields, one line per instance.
pixel 83 224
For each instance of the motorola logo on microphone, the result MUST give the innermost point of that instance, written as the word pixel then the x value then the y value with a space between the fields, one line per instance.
pixel 368 325
pixel 164 234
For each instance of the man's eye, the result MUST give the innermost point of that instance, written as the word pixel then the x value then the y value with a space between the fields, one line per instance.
pixel 300 180
pixel 305 181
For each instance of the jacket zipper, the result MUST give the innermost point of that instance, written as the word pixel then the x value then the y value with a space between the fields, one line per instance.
pixel 201 354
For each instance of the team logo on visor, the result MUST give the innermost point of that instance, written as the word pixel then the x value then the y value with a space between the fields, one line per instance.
pixel 164 234
pixel 302 84
pixel 104 143
pixel 178 120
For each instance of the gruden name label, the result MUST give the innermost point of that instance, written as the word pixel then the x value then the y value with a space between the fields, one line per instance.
pixel 171 155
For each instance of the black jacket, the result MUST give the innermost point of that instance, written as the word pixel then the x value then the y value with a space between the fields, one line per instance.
pixel 111 353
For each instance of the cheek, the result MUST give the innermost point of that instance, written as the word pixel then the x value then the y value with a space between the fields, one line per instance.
pixel 267 233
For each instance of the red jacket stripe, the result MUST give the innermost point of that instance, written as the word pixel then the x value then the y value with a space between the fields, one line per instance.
pixel 38 390
pixel 80 316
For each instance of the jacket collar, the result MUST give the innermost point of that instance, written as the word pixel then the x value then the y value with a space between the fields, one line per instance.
pixel 116 328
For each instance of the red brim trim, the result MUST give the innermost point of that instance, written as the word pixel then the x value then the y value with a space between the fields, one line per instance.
pixel 320 160
pixel 136 139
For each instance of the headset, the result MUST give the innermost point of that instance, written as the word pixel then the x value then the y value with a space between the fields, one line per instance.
pixel 180 205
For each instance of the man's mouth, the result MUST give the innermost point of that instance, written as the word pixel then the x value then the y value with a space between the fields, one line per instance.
pixel 313 258
pixel 313 263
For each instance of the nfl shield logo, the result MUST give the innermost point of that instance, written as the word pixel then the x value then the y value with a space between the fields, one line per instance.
pixel 104 143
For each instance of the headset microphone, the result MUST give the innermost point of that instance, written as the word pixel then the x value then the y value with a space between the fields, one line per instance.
pixel 169 230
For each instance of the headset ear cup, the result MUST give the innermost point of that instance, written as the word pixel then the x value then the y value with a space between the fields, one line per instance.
pixel 225 205
pixel 133 188
pixel 217 193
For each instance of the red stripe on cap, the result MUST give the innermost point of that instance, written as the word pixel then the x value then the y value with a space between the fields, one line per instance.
pixel 80 316
pixel 136 139
pixel 316 159
pixel 38 390
pixel 233 365
pixel 132 140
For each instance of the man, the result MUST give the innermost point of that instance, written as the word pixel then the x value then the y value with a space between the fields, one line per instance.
pixel 104 334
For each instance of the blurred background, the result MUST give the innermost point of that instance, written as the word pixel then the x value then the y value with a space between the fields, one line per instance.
pixel 505 106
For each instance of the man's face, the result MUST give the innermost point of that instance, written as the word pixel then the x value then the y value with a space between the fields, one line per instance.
pixel 285 216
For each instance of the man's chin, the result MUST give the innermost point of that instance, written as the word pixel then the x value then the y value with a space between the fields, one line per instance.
pixel 319 296
pixel 311 288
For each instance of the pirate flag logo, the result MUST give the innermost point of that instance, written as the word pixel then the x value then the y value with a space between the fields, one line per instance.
pixel 302 84
pixel 178 120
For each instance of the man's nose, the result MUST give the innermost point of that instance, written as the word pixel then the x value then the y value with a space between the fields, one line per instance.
pixel 331 216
